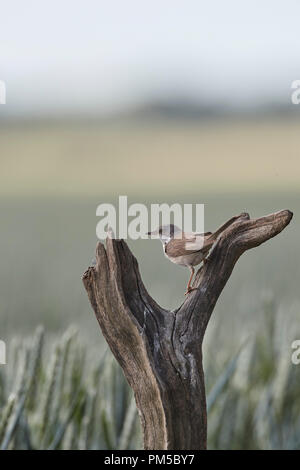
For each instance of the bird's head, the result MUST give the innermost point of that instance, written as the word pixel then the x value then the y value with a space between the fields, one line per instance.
pixel 165 232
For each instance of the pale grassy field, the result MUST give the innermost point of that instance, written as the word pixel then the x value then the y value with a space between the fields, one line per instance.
pixel 148 158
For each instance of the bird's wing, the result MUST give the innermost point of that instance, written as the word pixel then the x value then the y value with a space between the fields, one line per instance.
pixel 202 233
pixel 188 245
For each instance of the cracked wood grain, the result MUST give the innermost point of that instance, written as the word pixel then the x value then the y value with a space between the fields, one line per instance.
pixel 160 351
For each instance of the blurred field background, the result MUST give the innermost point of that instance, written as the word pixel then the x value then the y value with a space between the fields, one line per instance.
pixel 54 176
pixel 187 107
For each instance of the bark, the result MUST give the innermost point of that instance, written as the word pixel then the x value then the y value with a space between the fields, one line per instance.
pixel 160 351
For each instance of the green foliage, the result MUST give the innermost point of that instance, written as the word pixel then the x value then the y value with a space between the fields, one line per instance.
pixel 53 398
pixel 57 401
pixel 255 403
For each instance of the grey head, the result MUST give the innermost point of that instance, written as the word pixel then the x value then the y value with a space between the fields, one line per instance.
pixel 166 232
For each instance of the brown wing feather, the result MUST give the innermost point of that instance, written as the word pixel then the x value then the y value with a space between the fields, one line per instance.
pixel 177 247
pixel 205 233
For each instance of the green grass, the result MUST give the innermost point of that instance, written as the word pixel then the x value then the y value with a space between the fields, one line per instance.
pixel 260 407
pixel 59 400
pixel 61 397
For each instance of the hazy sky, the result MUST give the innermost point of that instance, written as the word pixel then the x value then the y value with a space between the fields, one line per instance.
pixel 105 55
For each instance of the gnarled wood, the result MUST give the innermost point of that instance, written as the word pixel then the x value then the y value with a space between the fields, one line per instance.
pixel 160 351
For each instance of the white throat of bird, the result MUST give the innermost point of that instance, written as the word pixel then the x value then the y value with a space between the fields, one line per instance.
pixel 165 241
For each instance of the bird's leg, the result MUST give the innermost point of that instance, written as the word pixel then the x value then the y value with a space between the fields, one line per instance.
pixel 189 288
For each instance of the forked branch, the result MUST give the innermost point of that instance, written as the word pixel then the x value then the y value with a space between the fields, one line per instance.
pixel 160 351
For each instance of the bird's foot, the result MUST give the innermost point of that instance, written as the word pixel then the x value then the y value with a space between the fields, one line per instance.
pixel 205 260
pixel 190 290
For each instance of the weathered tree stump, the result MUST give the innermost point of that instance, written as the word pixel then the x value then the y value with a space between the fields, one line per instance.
pixel 160 351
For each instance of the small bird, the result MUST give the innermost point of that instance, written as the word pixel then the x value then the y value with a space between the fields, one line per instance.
pixel 187 249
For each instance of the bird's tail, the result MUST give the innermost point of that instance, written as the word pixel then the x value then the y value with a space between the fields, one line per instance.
pixel 223 227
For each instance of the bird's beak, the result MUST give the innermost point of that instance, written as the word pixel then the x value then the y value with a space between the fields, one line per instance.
pixel 153 234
